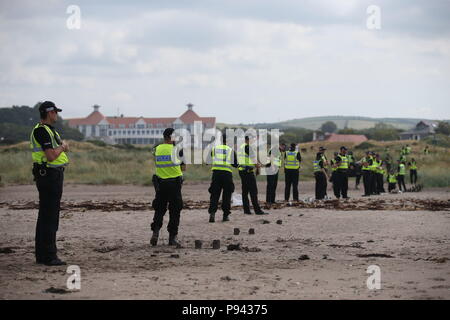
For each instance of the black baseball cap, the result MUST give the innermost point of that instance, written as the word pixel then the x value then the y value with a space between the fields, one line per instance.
pixel 168 132
pixel 47 106
pixel 343 148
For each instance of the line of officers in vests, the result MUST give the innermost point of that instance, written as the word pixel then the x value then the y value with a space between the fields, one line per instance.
pixel 49 154
pixel 169 166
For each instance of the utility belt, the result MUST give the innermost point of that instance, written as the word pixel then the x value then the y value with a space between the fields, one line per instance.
pixel 41 170
pixel 247 169
pixel 157 181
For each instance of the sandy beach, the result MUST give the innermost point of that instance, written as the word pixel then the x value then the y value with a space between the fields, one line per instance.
pixel 310 254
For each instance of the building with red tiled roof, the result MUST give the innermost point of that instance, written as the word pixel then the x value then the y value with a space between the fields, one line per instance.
pixel 137 130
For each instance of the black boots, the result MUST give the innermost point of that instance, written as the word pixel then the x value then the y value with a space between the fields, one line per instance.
pixel 173 241
pixel 52 262
pixel 212 217
pixel 154 238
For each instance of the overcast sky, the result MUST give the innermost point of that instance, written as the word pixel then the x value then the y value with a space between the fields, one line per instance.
pixel 238 60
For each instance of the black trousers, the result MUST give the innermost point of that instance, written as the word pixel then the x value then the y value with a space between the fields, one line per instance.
pixel 50 188
pixel 401 182
pixel 413 176
pixel 340 183
pixel 272 182
pixel 168 193
pixel 249 186
pixel 358 179
pixel 321 185
pixel 391 186
pixel 366 182
pixel 291 179
pixel 221 181
pixel 380 182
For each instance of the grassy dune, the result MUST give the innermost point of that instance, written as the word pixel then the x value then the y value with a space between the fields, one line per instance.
pixel 92 164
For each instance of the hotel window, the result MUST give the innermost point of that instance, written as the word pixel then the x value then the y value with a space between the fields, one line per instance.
pixel 141 126
pixel 129 131
pixel 149 125
pixel 121 126
pixel 133 132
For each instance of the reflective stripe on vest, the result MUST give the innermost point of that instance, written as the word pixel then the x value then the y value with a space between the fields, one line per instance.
pixel 392 178
pixel 316 166
pixel 413 165
pixel 365 159
pixel 402 170
pixel 291 160
pixel 344 162
pixel 38 154
pixel 277 159
pixel 333 162
pixel 166 162
pixel 244 159
pixel 222 158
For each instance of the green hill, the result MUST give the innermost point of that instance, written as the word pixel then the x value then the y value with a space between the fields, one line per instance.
pixel 314 123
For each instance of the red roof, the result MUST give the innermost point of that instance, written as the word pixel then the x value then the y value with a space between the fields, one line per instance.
pixel 355 138
pixel 189 117
pixel 95 117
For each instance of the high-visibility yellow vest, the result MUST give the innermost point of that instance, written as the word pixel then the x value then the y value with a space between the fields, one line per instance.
pixel 222 158
pixel 344 162
pixel 38 154
pixel 316 166
pixel 350 158
pixel 413 165
pixel 167 162
pixel 374 165
pixel 291 160
pixel 244 159
pixel 277 159
pixel 366 159
pixel 379 168
pixel 401 170
pixel 332 163
pixel 392 178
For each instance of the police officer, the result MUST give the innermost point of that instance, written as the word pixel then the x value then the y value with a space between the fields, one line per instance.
pixel 223 159
pixel 49 160
pixel 292 159
pixel 413 171
pixel 320 175
pixel 401 175
pixel 273 167
pixel 379 174
pixel 341 174
pixel 366 163
pixel 168 181
pixel 247 167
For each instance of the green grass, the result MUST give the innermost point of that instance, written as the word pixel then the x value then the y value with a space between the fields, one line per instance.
pixel 98 165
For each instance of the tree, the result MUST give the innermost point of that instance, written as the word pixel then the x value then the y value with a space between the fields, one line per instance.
pixel 443 128
pixel 16 124
pixel 329 126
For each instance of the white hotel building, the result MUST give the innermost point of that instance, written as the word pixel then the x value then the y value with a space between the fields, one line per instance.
pixel 137 130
